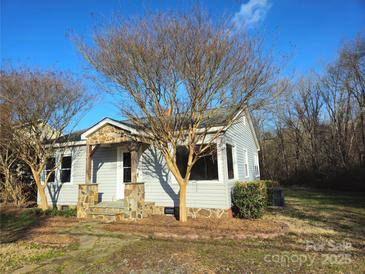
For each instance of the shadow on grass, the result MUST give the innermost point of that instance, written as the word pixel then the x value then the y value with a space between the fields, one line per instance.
pixel 342 212
pixel 16 223
pixel 327 197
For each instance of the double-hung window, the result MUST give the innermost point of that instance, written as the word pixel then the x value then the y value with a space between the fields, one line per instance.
pixel 245 163
pixel 257 166
pixel 229 150
pixel 65 173
pixel 127 167
pixel 206 168
pixel 50 169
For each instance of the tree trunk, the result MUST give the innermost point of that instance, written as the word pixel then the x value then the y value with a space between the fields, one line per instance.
pixel 182 184
pixel 362 124
pixel 43 203
pixel 182 203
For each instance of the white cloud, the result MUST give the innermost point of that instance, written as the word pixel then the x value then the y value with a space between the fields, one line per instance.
pixel 251 13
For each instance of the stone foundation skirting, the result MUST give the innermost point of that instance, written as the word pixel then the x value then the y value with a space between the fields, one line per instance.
pixel 151 209
pixel 216 213
pixel 134 196
pixel 135 205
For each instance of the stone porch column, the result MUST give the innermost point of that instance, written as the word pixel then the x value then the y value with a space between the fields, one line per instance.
pixel 88 196
pixel 134 199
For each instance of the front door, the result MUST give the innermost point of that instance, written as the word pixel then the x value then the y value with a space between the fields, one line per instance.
pixel 123 171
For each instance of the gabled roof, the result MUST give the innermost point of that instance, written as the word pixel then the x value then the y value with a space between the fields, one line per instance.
pixel 72 137
pixel 217 120
pixel 109 121
pixel 253 130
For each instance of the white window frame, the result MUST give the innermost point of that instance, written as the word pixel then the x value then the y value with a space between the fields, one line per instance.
pixel 247 168
pixel 256 166
pixel 59 169
pixel 202 182
pixel 54 172
pixel 234 161
pixel 57 172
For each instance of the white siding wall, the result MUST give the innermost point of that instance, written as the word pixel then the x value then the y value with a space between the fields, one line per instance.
pixel 66 194
pixel 161 188
pixel 241 136
pixel 104 172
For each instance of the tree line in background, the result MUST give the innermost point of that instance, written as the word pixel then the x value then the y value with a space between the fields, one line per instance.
pixel 314 133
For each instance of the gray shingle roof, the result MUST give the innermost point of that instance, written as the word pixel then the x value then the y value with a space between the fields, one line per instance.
pixel 217 119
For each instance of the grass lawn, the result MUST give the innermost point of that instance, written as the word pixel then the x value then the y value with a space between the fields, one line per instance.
pixel 317 232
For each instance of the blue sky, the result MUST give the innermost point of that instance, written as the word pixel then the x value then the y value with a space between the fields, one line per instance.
pixel 33 32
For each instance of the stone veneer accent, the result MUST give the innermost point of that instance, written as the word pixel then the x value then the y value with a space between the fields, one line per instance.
pixel 88 196
pixel 135 204
pixel 134 194
pixel 208 213
pixel 150 209
pixel 134 201
pixel 108 134
pixel 217 213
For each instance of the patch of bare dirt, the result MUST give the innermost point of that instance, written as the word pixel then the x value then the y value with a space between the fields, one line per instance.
pixel 62 221
pixel 8 209
pixel 53 239
pixel 53 225
pixel 200 228
pixel 56 223
pixel 48 232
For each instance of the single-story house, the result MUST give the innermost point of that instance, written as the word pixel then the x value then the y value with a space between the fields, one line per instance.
pixel 104 156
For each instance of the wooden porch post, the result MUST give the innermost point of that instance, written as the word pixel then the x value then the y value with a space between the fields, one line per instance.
pixel 88 164
pixel 89 153
pixel 134 162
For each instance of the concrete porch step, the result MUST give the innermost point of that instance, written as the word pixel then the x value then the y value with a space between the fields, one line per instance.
pixel 111 204
pixel 107 216
pixel 113 207
pixel 103 213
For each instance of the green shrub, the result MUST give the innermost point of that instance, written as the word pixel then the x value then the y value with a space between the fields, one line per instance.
pixel 249 199
pixel 270 183
pixel 69 212
pixel 36 211
pixel 50 212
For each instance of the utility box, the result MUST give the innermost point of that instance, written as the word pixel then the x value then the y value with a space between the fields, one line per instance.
pixel 276 196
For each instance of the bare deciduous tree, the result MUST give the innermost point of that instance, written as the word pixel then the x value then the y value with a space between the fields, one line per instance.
pixel 319 132
pixel 176 73
pixel 43 106
pixel 14 188
pixel 352 63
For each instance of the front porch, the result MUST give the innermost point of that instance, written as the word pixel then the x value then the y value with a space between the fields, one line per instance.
pixel 110 135
pixel 113 188
pixel 132 207
pixel 128 201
